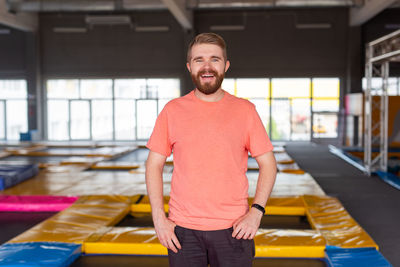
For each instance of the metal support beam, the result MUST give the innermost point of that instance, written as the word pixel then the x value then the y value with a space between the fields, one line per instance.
pixel 359 15
pixel 180 12
pixel 379 54
pixel 368 111
pixel 20 21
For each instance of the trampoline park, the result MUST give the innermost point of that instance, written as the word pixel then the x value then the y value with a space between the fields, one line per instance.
pixel 79 215
pixel 82 84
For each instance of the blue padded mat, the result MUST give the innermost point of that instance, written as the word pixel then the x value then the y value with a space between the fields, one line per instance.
pixel 389 178
pixel 355 257
pixel 39 254
pixel 11 175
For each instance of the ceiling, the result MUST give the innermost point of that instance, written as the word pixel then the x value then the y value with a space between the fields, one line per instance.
pixel 108 5
pixel 22 14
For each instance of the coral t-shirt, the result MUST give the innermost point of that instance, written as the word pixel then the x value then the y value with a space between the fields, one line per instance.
pixel 210 142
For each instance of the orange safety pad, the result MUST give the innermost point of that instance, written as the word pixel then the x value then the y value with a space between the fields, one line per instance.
pixel 328 216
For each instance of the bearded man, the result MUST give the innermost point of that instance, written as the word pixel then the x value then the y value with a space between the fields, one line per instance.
pixel 210 133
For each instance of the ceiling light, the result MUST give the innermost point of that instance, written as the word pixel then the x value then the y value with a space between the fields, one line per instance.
pixel 69 30
pixel 227 27
pixel 313 25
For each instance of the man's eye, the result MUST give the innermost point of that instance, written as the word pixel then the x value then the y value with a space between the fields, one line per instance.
pixel 198 60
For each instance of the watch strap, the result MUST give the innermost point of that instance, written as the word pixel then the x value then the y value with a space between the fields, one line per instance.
pixel 259 207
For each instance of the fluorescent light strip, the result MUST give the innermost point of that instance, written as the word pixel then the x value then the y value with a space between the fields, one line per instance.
pixel 151 28
pixel 107 20
pixel 313 26
pixel 69 30
pixel 227 27
pixel 5 31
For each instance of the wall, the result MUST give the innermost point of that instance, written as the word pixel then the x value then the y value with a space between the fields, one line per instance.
pixel 12 53
pixel 272 46
pixel 111 50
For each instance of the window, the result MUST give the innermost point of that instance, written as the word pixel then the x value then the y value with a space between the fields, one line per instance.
pixel 288 107
pixel 376 83
pixel 13 109
pixel 106 109
pixel 291 114
pixel 325 106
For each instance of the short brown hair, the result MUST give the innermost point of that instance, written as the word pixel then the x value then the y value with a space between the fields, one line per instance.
pixel 207 38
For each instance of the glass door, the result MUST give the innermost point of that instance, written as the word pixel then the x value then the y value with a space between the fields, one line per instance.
pixel 146 117
pixel 325 109
pixel 280 119
pixel 80 123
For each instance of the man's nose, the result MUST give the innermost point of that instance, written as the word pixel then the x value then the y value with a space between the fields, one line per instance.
pixel 207 64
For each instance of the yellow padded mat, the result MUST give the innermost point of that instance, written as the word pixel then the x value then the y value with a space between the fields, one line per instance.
pixel 4 154
pixel 290 168
pixel 288 184
pixel 79 221
pixel 275 205
pixel 144 241
pixel 328 216
pixel 89 221
pixel 39 150
pixel 283 158
pixel 289 243
pixel 113 165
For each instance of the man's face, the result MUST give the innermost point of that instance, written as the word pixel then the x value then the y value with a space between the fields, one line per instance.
pixel 207 67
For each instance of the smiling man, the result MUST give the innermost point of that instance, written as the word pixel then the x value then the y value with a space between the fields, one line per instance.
pixel 210 133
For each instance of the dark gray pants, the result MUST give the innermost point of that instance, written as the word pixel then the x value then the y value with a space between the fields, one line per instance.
pixel 217 248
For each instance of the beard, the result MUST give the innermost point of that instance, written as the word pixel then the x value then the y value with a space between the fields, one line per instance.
pixel 208 88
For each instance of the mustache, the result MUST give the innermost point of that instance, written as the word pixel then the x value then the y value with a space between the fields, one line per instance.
pixel 213 72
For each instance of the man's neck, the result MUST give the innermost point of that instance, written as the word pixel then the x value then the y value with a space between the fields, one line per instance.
pixel 215 97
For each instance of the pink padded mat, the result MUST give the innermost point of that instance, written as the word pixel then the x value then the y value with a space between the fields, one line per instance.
pixel 35 203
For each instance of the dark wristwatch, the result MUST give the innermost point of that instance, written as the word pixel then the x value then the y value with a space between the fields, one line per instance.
pixel 259 207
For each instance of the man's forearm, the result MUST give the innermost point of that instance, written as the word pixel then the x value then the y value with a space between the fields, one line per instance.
pixel 266 179
pixel 154 183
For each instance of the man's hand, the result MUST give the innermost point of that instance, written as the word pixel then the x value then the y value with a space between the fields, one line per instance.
pixel 246 226
pixel 165 233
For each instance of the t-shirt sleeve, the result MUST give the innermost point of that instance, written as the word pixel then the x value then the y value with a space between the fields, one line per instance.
pixel 258 141
pixel 159 140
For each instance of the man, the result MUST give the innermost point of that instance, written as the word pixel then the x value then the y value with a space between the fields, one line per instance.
pixel 210 133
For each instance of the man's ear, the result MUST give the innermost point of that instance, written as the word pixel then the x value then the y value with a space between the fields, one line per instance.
pixel 188 67
pixel 227 65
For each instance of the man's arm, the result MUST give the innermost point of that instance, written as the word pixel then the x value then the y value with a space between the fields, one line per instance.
pixel 246 226
pixel 154 181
